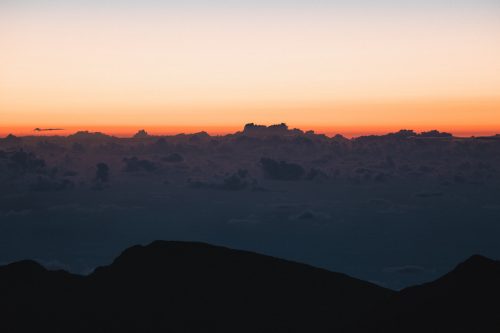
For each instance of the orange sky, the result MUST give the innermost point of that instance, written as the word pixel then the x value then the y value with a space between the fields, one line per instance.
pixel 332 70
pixel 421 115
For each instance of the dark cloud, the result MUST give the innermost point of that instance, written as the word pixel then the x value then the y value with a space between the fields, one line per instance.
pixel 134 164
pixel 173 158
pixel 45 184
pixel 317 175
pixel 235 182
pixel 250 220
pixel 14 213
pixel 102 173
pixel 311 215
pixel 281 170
pixel 38 129
pixel 23 162
pixel 141 134
pixel 429 194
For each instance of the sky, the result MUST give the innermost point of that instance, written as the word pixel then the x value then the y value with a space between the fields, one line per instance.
pixel 353 67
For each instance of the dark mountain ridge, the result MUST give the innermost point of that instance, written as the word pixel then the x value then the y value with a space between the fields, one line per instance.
pixel 196 287
pixel 179 287
pixel 467 299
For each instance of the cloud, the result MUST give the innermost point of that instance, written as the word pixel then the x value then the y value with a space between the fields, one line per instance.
pixel 173 158
pixel 250 220
pixel 44 184
pixel 235 182
pixel 102 172
pixel 406 270
pixel 134 164
pixel 14 213
pixel 493 207
pixel 73 208
pixel 310 215
pixel 429 194
pixel 281 170
pixel 53 265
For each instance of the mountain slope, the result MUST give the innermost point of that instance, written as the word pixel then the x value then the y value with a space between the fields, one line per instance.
pixel 196 287
pixel 186 287
pixel 465 300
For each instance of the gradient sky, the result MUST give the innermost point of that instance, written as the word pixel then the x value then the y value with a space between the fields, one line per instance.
pixel 351 66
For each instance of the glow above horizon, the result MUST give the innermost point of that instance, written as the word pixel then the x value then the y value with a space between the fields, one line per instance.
pixel 332 65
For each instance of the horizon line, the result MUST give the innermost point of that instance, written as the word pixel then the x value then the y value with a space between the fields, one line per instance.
pixel 121 131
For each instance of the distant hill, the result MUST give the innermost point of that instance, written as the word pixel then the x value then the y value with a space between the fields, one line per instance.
pixel 196 287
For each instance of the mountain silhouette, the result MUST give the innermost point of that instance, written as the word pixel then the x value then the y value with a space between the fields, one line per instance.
pixel 183 287
pixel 196 287
pixel 467 299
